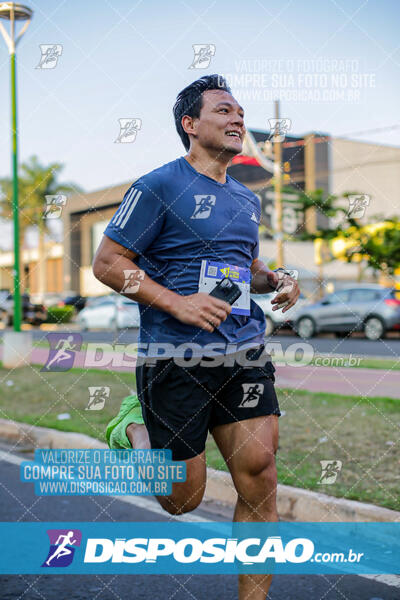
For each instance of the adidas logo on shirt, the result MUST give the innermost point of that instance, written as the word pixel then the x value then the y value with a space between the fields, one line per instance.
pixel 125 210
pixel 254 218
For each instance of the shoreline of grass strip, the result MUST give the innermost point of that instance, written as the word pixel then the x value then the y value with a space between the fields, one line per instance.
pixel 362 428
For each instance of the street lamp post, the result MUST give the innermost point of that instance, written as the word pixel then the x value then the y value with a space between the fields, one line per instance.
pixel 13 12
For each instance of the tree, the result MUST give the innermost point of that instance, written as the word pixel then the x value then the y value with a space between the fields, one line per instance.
pixel 378 244
pixel 329 205
pixel 35 182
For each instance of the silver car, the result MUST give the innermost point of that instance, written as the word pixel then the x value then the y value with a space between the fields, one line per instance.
pixel 112 311
pixel 371 308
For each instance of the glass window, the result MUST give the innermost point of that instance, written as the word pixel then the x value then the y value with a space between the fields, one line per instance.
pixel 339 297
pixel 100 301
pixel 365 295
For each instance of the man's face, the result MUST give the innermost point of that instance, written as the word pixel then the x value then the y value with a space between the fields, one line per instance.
pixel 220 126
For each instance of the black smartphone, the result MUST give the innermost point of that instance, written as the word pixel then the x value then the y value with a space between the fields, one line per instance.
pixel 226 290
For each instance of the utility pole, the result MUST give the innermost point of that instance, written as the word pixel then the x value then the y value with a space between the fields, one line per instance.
pixel 311 214
pixel 278 188
pixel 12 12
pixel 17 344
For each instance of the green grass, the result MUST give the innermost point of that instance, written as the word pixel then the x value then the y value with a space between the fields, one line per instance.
pixel 357 431
pixel 38 397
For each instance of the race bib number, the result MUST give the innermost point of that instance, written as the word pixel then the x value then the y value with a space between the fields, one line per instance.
pixel 212 272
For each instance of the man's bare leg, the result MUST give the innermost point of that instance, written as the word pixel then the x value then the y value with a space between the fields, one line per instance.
pixel 249 448
pixel 138 436
pixel 186 495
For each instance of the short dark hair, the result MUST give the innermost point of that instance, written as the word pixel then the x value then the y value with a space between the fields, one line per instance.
pixel 190 100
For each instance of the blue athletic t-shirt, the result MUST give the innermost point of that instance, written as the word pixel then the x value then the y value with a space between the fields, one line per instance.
pixel 173 218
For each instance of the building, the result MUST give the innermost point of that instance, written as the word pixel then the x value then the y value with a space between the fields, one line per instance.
pixel 314 161
pixel 53 269
pixel 85 217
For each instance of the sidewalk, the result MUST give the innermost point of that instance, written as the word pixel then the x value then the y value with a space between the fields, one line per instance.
pixel 343 381
pixel 294 504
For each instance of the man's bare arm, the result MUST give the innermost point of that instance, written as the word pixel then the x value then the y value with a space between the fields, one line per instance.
pixel 199 309
pixel 263 280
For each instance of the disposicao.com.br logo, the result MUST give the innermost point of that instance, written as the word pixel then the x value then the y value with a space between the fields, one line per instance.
pixel 192 550
pixel 200 547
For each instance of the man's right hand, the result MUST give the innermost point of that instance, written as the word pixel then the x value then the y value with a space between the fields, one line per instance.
pixel 201 310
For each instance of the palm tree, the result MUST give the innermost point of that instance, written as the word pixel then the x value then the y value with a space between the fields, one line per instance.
pixel 35 182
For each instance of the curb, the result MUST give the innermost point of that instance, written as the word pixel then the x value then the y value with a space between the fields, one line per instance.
pixel 294 504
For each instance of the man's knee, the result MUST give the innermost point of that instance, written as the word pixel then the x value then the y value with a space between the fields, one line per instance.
pixel 178 504
pixel 258 481
pixel 187 495
pixel 176 507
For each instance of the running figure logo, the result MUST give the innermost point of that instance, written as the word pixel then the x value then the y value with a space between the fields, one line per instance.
pixel 54 206
pixel 204 204
pixel 358 205
pixel 128 129
pixel 330 469
pixel 252 393
pixel 50 54
pixel 97 397
pixel 202 55
pixel 133 277
pixel 278 129
pixel 62 547
pixel 62 351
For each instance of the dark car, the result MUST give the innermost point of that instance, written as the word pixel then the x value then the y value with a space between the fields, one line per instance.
pixel 371 308
pixel 79 302
pixel 34 314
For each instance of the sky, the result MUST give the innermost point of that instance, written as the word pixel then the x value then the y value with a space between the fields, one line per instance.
pixel 334 64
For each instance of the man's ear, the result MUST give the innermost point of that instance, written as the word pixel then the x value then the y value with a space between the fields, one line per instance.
pixel 188 124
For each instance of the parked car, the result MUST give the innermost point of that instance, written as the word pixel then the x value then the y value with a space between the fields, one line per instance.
pixel 276 319
pixel 371 308
pixel 47 299
pixel 112 311
pixel 78 302
pixel 34 314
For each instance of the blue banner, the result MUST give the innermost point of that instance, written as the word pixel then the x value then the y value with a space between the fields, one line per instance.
pixel 200 548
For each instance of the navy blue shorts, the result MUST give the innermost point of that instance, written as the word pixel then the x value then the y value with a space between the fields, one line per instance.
pixel 181 404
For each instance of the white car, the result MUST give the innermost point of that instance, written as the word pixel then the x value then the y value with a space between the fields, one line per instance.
pixel 109 312
pixel 275 319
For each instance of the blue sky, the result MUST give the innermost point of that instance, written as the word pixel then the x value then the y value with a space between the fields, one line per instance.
pixel 124 59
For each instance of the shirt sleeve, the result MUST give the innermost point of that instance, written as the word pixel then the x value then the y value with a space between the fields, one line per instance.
pixel 139 218
pixel 256 249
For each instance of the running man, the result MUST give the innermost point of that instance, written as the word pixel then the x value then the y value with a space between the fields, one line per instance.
pixel 160 229
pixel 63 348
pixel 62 549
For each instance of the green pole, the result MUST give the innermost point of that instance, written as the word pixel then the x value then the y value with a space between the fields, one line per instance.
pixel 17 289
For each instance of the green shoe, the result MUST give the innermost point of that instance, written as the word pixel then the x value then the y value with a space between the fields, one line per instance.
pixel 130 412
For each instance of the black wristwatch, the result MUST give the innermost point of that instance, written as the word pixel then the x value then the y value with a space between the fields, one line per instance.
pixel 282 270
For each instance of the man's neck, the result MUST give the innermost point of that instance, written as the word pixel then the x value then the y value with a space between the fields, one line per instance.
pixel 212 167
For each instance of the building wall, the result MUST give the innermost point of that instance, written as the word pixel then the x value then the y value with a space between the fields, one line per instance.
pixel 367 168
pixel 79 214
pixel 53 273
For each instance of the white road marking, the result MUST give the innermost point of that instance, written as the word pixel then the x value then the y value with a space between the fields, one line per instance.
pixel 392 580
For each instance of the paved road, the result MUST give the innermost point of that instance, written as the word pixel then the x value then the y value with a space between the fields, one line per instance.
pixel 328 343
pixel 18 503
